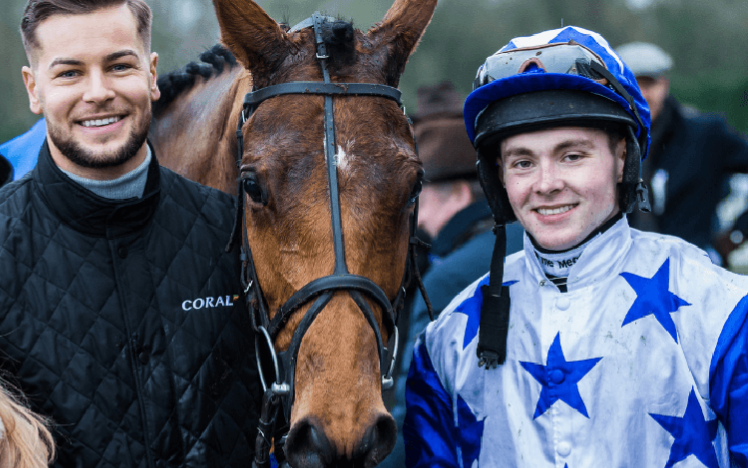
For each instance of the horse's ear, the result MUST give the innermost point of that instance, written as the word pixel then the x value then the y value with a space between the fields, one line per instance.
pixel 399 32
pixel 257 41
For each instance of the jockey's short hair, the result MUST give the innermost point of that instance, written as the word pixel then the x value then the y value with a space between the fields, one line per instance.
pixel 37 11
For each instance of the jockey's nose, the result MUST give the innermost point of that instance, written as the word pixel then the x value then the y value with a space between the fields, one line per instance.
pixel 308 446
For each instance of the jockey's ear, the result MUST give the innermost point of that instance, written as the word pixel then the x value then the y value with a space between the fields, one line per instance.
pixel 397 36
pixel 257 41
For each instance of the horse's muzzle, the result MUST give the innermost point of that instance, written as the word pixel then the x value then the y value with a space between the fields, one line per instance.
pixel 308 446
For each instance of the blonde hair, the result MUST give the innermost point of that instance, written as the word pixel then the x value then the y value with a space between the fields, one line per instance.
pixel 25 441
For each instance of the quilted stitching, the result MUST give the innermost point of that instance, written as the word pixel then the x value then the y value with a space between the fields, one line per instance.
pixel 62 299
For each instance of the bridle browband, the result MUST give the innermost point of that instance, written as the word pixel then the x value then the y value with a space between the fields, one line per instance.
pixel 278 394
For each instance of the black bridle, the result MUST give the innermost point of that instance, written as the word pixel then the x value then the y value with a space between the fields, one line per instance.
pixel 279 392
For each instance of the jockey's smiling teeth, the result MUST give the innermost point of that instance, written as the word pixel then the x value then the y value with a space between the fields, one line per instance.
pixel 94 86
pixel 562 182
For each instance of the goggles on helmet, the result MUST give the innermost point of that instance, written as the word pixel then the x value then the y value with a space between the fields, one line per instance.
pixel 566 58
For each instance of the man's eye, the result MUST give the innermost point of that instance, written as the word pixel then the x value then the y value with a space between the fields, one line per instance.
pixel 68 74
pixel 121 67
pixel 523 164
pixel 573 157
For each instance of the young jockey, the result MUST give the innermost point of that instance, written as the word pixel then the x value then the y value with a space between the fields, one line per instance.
pixel 598 345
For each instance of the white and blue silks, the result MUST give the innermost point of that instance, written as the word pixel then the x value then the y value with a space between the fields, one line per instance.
pixel 642 363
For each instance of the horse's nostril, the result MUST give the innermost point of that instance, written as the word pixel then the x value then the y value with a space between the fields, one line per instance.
pixel 308 447
pixel 378 441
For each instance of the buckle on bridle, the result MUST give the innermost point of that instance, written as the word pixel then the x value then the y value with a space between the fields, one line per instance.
pixel 277 386
pixel 387 381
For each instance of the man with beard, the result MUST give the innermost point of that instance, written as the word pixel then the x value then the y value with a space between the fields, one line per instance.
pixel 118 309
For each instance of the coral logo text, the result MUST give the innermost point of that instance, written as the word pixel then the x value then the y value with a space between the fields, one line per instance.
pixel 209 302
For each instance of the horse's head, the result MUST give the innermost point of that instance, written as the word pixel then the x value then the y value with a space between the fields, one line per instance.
pixel 337 417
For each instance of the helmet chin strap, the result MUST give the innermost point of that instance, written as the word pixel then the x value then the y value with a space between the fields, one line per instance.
pixel 494 313
pixel 634 191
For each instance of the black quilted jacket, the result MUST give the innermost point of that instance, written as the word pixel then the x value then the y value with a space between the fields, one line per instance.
pixel 120 321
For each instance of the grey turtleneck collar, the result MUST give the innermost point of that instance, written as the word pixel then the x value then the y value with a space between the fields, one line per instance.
pixel 130 185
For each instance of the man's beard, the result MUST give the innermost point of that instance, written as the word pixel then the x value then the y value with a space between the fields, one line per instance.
pixel 83 157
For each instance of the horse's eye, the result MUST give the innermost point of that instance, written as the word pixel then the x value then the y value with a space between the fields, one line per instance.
pixel 252 188
pixel 416 190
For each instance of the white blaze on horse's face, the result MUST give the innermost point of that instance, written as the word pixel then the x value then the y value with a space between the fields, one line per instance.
pixel 342 159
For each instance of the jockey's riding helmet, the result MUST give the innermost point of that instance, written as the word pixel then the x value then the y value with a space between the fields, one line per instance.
pixel 563 77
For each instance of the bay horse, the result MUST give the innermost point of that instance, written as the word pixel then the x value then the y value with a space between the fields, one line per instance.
pixel 304 159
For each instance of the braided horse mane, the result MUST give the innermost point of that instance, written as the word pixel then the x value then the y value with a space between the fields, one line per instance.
pixel 214 60
pixel 212 63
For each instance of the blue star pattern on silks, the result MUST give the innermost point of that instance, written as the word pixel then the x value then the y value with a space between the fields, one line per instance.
pixel 559 379
pixel 471 307
pixel 653 297
pixel 469 433
pixel 693 434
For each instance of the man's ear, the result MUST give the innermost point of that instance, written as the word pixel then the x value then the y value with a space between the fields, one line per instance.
pixel 620 159
pixel 155 92
pixel 29 80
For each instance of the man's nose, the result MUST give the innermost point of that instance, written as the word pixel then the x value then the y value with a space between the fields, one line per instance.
pixel 549 180
pixel 99 88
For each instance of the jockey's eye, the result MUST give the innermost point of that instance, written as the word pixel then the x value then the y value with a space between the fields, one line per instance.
pixel 252 187
pixel 417 187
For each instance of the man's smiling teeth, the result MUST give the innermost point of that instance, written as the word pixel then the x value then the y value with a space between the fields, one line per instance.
pixel 553 211
pixel 100 122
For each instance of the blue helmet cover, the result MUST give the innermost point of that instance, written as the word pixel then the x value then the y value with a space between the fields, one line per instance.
pixel 537 80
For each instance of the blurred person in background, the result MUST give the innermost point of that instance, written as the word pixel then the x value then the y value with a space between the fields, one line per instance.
pixel 452 207
pixel 22 151
pixel 454 213
pixel 691 156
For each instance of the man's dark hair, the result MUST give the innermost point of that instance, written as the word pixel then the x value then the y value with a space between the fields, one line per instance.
pixel 37 11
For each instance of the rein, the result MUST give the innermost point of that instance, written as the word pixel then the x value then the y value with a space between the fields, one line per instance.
pixel 279 392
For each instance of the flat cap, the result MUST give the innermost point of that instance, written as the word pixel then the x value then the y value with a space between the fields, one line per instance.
pixel 443 144
pixel 645 59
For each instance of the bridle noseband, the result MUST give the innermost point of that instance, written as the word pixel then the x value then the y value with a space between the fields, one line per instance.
pixel 279 393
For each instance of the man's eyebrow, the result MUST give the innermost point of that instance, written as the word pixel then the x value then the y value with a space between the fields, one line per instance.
pixel 65 61
pixel 583 143
pixel 119 54
pixel 517 151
